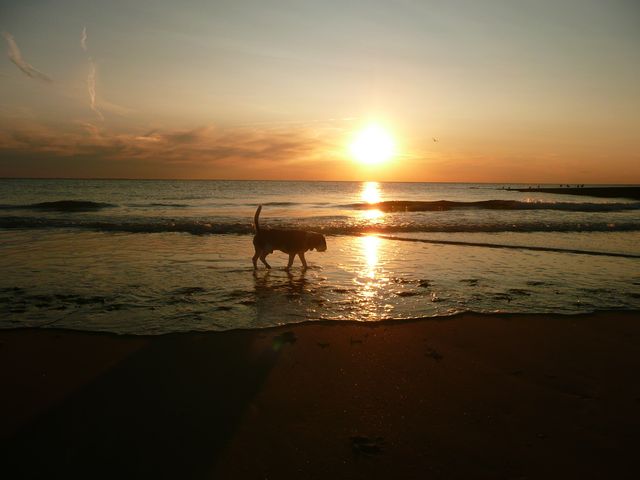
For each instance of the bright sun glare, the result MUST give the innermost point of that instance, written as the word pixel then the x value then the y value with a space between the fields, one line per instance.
pixel 370 192
pixel 372 145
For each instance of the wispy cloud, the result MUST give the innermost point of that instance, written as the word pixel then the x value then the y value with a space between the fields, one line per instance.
pixel 91 87
pixel 205 151
pixel 16 57
pixel 83 39
pixel 91 77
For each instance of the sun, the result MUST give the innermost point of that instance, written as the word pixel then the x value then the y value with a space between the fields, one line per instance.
pixel 372 145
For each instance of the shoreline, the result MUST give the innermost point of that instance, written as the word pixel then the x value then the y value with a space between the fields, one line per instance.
pixel 319 322
pixel 466 396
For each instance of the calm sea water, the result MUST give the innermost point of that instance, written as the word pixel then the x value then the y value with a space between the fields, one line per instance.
pixel 150 257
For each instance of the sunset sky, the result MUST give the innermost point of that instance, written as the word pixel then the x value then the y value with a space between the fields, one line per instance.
pixel 477 91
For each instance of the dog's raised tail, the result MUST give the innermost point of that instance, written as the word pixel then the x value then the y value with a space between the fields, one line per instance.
pixel 256 218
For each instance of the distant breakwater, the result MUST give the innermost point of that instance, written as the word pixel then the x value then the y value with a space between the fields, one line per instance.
pixel 632 192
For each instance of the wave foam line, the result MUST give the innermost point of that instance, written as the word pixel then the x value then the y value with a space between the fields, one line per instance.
pixel 513 247
pixel 446 205
pixel 200 227
pixel 62 206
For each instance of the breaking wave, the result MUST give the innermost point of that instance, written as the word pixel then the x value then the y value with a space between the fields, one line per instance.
pixel 514 247
pixel 152 205
pixel 62 206
pixel 396 206
pixel 445 205
pixel 200 227
pixel 277 204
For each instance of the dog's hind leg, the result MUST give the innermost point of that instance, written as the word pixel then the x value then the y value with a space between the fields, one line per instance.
pixel 255 259
pixel 292 256
pixel 303 260
pixel 263 259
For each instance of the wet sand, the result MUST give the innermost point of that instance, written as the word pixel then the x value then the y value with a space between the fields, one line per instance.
pixel 471 396
pixel 602 192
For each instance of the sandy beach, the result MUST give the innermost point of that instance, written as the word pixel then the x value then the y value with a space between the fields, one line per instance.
pixel 471 396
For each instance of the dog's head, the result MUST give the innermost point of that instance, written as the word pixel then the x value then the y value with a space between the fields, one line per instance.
pixel 317 241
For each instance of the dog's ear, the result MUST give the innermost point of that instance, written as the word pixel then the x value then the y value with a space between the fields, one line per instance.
pixel 323 244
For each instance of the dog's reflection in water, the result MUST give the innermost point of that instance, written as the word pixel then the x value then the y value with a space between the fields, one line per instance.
pixel 268 283
pixel 279 296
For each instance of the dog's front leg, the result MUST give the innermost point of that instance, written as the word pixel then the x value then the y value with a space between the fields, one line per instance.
pixel 255 259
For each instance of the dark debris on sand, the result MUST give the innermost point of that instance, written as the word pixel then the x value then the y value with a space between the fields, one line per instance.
pixel 406 293
pixel 434 354
pixel 284 338
pixel 366 446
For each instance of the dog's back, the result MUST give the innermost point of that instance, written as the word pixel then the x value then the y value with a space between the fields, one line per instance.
pixel 287 241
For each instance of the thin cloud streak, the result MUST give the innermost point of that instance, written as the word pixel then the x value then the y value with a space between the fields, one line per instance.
pixel 16 57
pixel 91 78
pixel 83 39
pixel 91 87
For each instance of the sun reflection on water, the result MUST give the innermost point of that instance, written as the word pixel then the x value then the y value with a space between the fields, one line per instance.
pixel 370 245
pixel 371 194
pixel 375 216
pixel 372 280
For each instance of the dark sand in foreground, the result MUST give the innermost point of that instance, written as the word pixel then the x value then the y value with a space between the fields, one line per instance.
pixel 472 396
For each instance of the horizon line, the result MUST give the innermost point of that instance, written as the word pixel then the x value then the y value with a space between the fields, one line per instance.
pixel 319 181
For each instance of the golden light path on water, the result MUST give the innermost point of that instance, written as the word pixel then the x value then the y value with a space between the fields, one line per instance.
pixel 370 246
pixel 371 194
pixel 371 279
pixel 370 243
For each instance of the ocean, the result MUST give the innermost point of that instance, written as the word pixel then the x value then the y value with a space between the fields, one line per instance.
pixel 153 257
